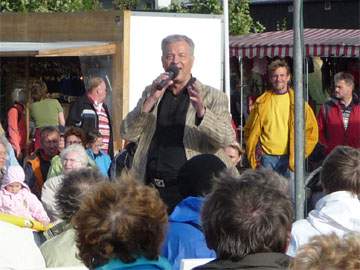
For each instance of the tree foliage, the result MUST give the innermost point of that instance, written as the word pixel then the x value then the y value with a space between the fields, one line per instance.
pixel 240 20
pixel 48 5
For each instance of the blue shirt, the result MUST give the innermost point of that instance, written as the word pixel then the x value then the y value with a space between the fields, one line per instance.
pixel 140 264
pixel 102 161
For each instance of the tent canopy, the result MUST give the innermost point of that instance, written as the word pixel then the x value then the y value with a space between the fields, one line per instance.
pixel 317 42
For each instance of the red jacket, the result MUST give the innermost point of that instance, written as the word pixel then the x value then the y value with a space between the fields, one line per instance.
pixel 331 126
pixel 17 127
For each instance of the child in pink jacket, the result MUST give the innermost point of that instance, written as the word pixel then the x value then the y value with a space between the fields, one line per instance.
pixel 16 198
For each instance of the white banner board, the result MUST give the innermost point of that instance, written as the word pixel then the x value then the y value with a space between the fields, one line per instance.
pixel 146 33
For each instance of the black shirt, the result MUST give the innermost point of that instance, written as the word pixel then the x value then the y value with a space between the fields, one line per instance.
pixel 166 152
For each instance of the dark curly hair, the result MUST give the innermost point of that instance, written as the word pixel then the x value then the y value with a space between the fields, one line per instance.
pixel 72 190
pixel 76 131
pixel 123 220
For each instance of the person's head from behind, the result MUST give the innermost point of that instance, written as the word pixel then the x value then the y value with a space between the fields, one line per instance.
pixel 329 252
pixel 49 140
pixel 73 189
pixel 344 86
pixel 341 170
pixel 74 135
pixel 97 89
pixel 242 217
pixel 124 221
pixel 266 178
pixel 14 178
pixel 234 152
pixel 18 95
pixel 279 75
pixel 94 141
pixel 196 176
pixel 178 50
pixel 73 157
pixel 38 90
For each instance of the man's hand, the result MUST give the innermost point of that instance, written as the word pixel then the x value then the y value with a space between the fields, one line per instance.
pixel 196 100
pixel 156 93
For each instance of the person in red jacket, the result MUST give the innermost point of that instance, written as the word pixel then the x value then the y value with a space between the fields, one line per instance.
pixel 339 117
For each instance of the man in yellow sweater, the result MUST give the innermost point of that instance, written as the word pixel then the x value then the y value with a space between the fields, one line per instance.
pixel 269 131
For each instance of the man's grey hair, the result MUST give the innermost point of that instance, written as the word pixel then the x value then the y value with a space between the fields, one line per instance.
pixel 348 78
pixel 176 38
pixel 79 150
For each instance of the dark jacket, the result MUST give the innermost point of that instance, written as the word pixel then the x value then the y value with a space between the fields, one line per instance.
pixel 82 114
pixel 259 261
pixel 331 126
pixel 36 168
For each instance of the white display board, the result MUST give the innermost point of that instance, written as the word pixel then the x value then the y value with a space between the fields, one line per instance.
pixel 146 33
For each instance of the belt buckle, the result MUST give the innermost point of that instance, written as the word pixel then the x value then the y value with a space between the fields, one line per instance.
pixel 159 182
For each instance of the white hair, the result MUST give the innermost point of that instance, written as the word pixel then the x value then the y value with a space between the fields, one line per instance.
pixel 79 150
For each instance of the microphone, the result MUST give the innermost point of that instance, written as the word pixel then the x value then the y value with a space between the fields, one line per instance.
pixel 173 71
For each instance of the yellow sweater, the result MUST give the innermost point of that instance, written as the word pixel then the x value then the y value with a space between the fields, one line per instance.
pixel 253 128
pixel 274 138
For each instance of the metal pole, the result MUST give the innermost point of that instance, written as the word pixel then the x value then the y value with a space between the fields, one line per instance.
pixel 241 100
pixel 226 49
pixel 299 110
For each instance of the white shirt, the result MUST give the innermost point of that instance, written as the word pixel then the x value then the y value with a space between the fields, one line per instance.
pixel 18 249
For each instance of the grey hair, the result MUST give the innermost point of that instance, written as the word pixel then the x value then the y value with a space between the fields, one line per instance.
pixel 73 188
pixel 4 141
pixel 348 78
pixel 176 38
pixel 79 150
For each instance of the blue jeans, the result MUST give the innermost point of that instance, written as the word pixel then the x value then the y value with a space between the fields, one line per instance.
pixel 279 163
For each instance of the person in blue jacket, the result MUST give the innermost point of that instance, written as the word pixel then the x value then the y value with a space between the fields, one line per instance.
pixel 185 238
pixel 94 142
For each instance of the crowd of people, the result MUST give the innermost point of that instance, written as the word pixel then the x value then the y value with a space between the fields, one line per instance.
pixel 180 189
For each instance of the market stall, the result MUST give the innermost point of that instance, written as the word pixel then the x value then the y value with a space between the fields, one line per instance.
pixel 329 44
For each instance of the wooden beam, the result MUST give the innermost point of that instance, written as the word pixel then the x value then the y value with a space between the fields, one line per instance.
pixel 107 49
pixel 18 53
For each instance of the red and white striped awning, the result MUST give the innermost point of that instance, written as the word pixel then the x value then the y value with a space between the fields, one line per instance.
pixel 317 42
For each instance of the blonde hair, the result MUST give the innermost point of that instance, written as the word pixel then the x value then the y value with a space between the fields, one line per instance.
pixel 329 252
pixel 237 147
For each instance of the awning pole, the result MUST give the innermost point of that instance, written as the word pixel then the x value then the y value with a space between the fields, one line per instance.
pixel 299 110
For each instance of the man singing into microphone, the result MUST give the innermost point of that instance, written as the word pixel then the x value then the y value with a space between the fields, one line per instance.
pixel 176 118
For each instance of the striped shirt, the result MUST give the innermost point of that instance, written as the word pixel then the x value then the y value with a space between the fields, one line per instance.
pixel 346 111
pixel 104 126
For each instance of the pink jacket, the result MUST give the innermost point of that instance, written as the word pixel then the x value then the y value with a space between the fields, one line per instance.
pixel 24 204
